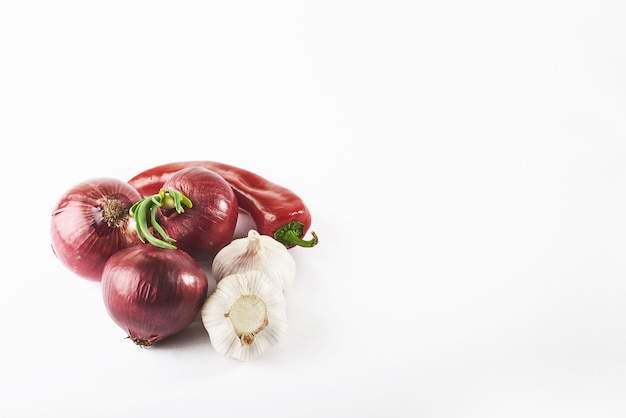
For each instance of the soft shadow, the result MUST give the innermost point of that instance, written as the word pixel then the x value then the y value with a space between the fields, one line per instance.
pixel 195 335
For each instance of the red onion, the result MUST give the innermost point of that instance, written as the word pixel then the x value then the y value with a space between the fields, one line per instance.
pixel 152 292
pixel 91 222
pixel 196 211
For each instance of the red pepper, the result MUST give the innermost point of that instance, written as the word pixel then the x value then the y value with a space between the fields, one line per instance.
pixel 276 210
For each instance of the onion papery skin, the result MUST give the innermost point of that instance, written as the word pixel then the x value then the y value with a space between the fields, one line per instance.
pixel 153 293
pixel 81 238
pixel 209 225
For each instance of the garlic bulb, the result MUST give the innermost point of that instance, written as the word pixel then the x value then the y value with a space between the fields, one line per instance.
pixel 245 315
pixel 256 252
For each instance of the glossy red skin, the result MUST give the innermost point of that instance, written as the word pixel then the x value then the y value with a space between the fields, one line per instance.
pixel 270 205
pixel 81 240
pixel 209 224
pixel 153 293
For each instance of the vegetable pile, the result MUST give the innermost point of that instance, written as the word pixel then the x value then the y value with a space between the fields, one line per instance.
pixel 145 239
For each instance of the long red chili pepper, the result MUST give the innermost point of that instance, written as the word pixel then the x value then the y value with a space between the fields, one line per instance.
pixel 276 210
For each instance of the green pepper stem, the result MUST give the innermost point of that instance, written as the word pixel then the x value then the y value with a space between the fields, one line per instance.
pixel 291 235
pixel 149 205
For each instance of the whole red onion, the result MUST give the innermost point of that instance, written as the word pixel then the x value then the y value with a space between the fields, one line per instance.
pixel 203 223
pixel 152 292
pixel 91 222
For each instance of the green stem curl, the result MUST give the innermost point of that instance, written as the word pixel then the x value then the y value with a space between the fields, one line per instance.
pixel 291 235
pixel 148 206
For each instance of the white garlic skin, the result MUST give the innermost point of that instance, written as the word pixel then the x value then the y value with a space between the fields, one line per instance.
pixel 256 252
pixel 215 314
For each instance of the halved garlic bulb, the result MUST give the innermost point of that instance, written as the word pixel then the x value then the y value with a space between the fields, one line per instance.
pixel 256 252
pixel 245 315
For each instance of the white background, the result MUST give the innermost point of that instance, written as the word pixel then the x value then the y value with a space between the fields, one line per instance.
pixel 463 161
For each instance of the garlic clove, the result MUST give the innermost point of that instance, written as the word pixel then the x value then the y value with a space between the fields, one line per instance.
pixel 245 315
pixel 256 252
